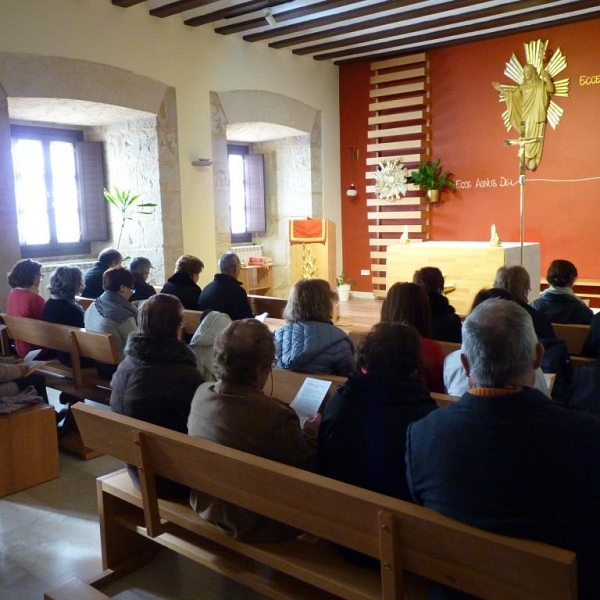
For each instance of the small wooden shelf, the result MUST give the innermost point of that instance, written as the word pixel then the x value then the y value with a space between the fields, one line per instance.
pixel 257 280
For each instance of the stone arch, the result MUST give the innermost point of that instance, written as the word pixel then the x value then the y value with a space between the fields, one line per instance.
pixel 47 79
pixel 304 148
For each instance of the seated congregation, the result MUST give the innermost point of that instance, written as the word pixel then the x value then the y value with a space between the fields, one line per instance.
pixel 473 461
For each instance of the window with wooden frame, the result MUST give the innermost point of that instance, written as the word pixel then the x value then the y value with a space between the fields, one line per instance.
pixel 246 193
pixel 59 182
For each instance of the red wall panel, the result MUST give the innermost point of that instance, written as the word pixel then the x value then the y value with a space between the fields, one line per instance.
pixel 561 196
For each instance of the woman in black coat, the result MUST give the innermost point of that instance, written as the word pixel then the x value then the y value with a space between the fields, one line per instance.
pixel 158 377
pixel 184 282
pixel 362 437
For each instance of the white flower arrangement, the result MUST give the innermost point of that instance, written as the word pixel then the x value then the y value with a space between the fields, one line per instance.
pixel 391 180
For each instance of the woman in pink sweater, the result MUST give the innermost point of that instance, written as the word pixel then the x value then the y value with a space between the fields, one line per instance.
pixel 24 299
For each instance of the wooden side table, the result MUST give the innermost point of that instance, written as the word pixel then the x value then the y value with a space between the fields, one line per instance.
pixel 28 448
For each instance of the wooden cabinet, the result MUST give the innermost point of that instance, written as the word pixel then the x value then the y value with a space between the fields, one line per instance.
pixel 257 280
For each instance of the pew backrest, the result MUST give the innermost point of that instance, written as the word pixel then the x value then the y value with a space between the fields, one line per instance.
pixel 284 384
pixel 83 302
pixel 449 347
pixel 406 538
pixel 573 335
pixel 101 347
pixel 191 321
pixel 267 304
pixel 46 335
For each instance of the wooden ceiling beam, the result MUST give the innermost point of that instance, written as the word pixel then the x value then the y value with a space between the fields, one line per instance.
pixel 446 25
pixel 373 52
pixel 127 3
pixel 361 26
pixel 234 11
pixel 357 13
pixel 418 15
pixel 287 15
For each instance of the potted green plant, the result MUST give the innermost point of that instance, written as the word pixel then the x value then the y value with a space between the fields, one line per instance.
pixel 128 204
pixel 431 176
pixel 343 286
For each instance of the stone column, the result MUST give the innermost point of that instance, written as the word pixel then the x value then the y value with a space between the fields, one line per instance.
pixel 9 234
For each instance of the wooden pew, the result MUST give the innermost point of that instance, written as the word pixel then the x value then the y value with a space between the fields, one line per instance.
pixel 573 335
pixel 578 361
pixel 191 322
pixel 84 302
pixel 411 542
pixel 54 337
pixel 449 347
pixel 269 304
pixel 74 380
pixel 285 383
pixel 78 343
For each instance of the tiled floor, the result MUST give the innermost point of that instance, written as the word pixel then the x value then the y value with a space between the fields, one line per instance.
pixel 50 533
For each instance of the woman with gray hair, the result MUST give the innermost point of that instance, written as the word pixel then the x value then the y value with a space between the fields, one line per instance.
pixel 236 412
pixel 65 284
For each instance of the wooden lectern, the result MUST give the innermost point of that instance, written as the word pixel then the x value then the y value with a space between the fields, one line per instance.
pixel 313 253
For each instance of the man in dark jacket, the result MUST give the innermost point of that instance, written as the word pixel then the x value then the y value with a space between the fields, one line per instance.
pixel 225 293
pixel 92 281
pixel 140 267
pixel 506 458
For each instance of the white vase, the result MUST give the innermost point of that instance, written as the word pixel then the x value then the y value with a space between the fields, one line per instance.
pixel 344 292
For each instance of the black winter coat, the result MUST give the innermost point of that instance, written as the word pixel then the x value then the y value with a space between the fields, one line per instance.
pixel 184 287
pixel 156 382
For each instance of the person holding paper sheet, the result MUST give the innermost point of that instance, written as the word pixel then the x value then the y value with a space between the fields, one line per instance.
pixel 236 412
pixel 310 342
pixel 14 379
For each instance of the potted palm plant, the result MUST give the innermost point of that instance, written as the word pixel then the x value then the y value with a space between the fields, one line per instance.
pixel 127 204
pixel 431 176
pixel 343 286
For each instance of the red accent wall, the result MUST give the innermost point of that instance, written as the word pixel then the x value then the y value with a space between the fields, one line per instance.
pixel 468 134
pixel 354 115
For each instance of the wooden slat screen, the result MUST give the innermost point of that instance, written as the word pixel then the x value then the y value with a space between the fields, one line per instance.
pixel 399 127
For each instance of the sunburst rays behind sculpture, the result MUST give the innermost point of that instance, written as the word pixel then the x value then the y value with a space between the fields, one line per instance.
pixel 535 51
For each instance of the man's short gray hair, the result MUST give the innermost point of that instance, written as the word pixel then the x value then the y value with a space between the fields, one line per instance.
pixel 140 265
pixel 499 342
pixel 228 262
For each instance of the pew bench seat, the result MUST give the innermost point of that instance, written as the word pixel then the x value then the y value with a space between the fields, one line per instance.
pixel 411 542
pixel 297 562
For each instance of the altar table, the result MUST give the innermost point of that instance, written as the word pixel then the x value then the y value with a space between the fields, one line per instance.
pixel 468 266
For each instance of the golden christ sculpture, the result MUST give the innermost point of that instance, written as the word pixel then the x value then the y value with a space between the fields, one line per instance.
pixel 528 104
